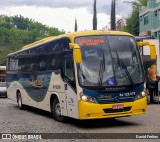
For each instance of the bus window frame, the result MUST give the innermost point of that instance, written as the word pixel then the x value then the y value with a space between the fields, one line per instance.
pixel 72 83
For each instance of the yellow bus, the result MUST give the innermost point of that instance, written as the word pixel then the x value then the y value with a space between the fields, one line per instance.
pixel 82 75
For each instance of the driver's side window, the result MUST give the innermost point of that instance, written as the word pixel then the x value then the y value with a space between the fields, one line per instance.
pixel 68 65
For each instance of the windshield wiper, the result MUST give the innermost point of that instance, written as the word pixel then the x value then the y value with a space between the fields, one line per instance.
pixel 101 71
pixel 121 64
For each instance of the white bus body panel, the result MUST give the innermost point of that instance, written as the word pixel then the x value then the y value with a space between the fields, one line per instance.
pixel 72 102
pixel 67 98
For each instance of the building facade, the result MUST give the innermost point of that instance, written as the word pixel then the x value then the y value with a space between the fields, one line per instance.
pixel 149 19
pixel 120 23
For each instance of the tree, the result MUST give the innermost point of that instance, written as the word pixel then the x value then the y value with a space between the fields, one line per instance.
pixel 94 16
pixel 20 22
pixel 144 2
pixel 137 2
pixel 17 31
pixel 75 27
pixel 113 17
pixel 133 20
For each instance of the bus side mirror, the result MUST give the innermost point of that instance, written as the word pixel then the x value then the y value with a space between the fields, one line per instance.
pixel 152 48
pixel 76 52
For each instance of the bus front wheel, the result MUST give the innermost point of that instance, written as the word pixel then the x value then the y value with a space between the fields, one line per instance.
pixel 19 100
pixel 56 111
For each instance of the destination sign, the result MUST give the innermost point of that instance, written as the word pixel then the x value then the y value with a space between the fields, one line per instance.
pixel 90 42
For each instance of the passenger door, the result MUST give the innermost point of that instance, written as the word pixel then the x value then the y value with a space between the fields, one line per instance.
pixel 70 87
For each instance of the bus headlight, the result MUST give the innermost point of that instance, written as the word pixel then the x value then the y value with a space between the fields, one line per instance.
pixel 87 98
pixel 140 95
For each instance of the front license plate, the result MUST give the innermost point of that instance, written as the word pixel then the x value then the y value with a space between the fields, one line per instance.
pixel 119 106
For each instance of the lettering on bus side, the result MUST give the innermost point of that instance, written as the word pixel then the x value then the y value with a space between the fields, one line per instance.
pixel 56 87
pixel 71 101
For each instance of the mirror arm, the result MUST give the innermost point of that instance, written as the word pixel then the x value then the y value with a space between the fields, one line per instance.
pixel 152 48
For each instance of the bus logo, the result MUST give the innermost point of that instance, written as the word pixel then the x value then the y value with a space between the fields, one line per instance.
pixel 36 83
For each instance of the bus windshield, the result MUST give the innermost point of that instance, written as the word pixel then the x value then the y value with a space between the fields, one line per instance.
pixel 109 61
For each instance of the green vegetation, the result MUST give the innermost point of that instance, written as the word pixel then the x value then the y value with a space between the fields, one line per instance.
pixel 17 31
pixel 133 20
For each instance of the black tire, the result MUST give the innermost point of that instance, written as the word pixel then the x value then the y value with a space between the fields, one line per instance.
pixel 19 101
pixel 56 111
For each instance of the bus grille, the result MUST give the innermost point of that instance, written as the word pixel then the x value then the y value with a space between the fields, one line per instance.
pixel 110 110
pixel 119 100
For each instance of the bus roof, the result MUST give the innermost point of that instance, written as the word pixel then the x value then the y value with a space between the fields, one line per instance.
pixel 73 35
pixel 95 32
pixel 38 42
pixel 98 32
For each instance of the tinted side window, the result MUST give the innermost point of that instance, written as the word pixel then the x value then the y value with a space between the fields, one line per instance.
pixel 54 61
pixel 12 64
pixel 65 43
pixel 69 70
pixel 58 45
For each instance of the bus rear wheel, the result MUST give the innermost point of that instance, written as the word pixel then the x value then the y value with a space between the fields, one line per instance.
pixel 56 111
pixel 19 100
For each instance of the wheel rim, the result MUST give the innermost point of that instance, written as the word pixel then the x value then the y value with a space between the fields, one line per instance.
pixel 58 109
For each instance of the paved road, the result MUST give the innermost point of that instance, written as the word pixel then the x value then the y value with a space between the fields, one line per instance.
pixel 31 120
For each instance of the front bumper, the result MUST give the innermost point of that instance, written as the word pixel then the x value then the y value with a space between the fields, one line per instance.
pixel 96 111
